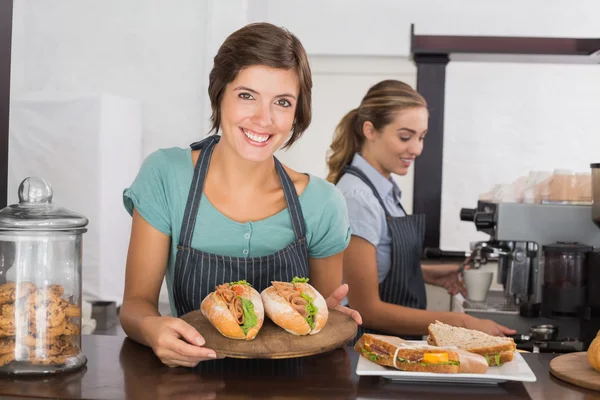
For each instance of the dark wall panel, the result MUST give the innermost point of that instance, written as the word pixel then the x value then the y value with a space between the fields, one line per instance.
pixel 6 11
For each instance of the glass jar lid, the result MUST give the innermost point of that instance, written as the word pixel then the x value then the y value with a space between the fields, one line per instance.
pixel 36 211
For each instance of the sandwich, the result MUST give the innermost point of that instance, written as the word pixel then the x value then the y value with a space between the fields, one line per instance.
pixel 235 309
pixel 391 351
pixel 295 306
pixel 496 350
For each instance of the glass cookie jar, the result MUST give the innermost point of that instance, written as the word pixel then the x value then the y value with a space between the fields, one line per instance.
pixel 40 284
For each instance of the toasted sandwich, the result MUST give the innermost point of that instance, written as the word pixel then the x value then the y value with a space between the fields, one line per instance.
pixel 496 350
pixel 391 351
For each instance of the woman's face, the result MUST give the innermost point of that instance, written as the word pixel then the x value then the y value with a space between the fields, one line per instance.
pixel 258 110
pixel 394 148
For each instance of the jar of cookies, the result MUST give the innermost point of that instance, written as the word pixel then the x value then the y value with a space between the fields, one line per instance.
pixel 40 283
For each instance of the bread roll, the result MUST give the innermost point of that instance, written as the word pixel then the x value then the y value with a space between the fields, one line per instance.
pixel 593 353
pixel 471 363
pixel 235 310
pixel 295 306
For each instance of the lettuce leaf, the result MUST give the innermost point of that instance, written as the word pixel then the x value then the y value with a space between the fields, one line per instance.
pixel 299 280
pixel 496 356
pixel 373 357
pixel 250 319
pixel 497 359
pixel 311 310
pixel 370 355
pixel 404 360
pixel 242 282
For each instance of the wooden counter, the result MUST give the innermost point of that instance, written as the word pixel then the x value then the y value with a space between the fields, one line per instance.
pixel 119 368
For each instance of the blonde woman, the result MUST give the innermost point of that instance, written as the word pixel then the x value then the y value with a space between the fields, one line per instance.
pixel 382 264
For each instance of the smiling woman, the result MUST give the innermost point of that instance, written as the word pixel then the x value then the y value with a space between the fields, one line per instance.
pixel 382 264
pixel 226 209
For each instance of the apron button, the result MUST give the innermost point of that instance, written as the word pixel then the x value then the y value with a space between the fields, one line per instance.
pixel 245 252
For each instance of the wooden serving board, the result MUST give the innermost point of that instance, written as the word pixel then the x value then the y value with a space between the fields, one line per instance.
pixel 274 342
pixel 575 369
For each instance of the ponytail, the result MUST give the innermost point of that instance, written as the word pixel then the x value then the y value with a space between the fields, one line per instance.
pixel 379 106
pixel 347 140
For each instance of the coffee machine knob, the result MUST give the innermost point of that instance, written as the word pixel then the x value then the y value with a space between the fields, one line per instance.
pixel 467 214
pixel 484 220
pixel 520 256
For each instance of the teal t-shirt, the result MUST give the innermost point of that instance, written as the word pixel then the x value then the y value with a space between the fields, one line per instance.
pixel 159 193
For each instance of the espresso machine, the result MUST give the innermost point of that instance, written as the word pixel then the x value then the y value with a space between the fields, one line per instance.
pixel 548 259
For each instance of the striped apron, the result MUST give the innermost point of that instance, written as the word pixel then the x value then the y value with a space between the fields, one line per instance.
pixel 197 273
pixel 404 284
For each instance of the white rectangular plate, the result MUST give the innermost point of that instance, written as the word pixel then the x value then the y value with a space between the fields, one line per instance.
pixel 515 370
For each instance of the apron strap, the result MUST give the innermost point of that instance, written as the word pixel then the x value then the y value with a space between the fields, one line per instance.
pixel 352 170
pixel 195 194
pixel 205 142
pixel 292 200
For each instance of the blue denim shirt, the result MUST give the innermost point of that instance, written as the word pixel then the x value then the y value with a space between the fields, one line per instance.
pixel 367 218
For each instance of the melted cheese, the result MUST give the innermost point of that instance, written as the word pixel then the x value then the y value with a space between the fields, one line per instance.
pixel 435 358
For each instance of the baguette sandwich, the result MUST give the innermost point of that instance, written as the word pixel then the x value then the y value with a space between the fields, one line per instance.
pixel 295 306
pixel 235 309
pixel 391 351
pixel 496 350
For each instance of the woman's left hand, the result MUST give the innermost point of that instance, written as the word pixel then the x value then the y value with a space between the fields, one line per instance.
pixel 334 301
pixel 446 276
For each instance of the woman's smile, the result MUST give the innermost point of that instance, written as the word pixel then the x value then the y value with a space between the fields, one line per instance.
pixel 255 138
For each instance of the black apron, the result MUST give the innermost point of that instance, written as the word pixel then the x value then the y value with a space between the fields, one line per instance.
pixel 197 273
pixel 404 284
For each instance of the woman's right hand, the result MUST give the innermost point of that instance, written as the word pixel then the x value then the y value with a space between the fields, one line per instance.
pixel 176 342
pixel 487 326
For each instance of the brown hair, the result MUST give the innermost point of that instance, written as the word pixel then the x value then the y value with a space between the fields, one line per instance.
pixel 378 106
pixel 261 44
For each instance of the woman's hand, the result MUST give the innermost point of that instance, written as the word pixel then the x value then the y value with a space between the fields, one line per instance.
pixel 176 342
pixel 446 276
pixel 336 298
pixel 487 326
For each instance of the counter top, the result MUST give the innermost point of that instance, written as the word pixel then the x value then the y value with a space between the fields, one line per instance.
pixel 119 368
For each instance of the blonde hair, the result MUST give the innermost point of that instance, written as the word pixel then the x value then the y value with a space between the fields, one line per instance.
pixel 378 106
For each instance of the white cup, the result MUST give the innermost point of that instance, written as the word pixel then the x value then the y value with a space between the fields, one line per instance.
pixel 478 283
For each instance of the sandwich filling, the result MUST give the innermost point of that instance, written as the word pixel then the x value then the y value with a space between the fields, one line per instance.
pixel 300 301
pixel 496 350
pixel 495 357
pixel 242 309
pixel 375 352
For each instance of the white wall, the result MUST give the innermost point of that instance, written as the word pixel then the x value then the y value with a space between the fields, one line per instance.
pixel 381 27
pixel 160 53
pixel 147 50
